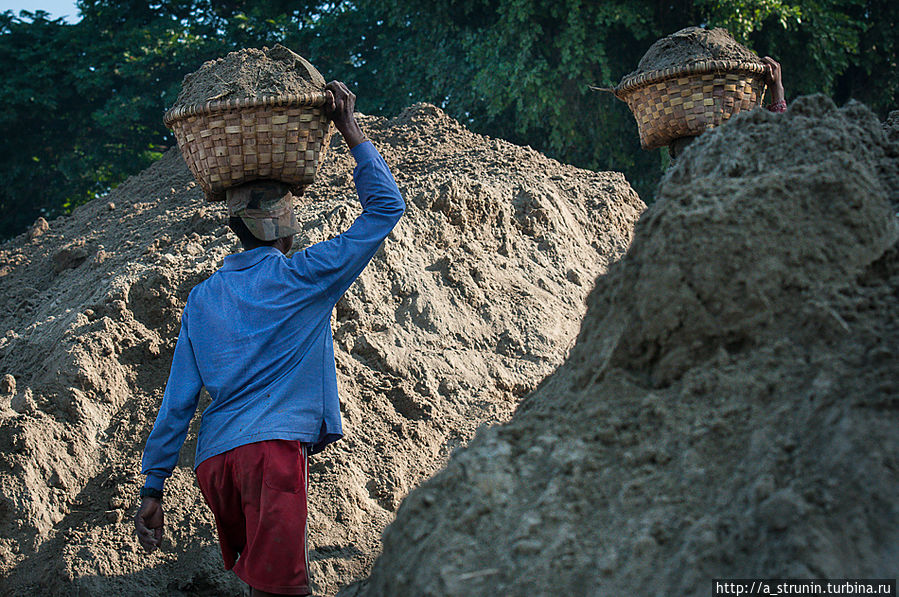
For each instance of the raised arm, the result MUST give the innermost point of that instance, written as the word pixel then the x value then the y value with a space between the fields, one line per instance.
pixel 336 263
pixel 774 78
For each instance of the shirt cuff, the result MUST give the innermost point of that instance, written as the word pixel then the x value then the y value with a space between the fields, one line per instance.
pixel 364 151
pixel 154 482
pixel 779 106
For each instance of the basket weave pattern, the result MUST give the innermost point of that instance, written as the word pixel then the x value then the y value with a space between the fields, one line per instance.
pixel 684 102
pixel 228 144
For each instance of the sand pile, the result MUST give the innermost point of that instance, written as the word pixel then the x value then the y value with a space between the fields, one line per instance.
pixel 250 73
pixel 476 296
pixel 730 408
pixel 691 45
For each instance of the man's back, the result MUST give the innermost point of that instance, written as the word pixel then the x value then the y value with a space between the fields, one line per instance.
pixel 260 332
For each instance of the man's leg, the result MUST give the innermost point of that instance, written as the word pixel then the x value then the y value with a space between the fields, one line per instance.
pixel 273 491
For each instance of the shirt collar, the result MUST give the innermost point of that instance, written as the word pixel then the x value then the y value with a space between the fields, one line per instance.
pixel 246 259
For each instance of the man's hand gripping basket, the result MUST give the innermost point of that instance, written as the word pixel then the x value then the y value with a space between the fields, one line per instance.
pixel 230 142
pixel 685 101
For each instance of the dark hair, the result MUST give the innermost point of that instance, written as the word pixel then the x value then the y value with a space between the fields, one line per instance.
pixel 247 239
pixel 677 146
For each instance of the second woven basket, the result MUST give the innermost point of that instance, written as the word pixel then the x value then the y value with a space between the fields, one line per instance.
pixel 230 142
pixel 685 101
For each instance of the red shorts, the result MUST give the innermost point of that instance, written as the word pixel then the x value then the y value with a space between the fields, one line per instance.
pixel 257 493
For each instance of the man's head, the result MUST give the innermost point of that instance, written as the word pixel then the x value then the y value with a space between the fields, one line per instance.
pixel 677 146
pixel 261 215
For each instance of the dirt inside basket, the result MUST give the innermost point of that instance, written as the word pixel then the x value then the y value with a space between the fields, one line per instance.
pixel 691 45
pixel 250 73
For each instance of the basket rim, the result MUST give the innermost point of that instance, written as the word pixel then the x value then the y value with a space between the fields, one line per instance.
pixel 629 84
pixel 313 99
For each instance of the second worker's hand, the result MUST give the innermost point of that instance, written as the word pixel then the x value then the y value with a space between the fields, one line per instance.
pixel 340 107
pixel 774 78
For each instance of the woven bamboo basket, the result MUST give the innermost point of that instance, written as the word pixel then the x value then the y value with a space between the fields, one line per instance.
pixel 229 142
pixel 685 101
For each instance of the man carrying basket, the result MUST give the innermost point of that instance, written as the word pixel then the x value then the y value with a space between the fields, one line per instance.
pixel 257 335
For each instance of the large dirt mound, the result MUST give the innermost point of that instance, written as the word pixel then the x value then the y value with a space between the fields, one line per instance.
pixel 475 297
pixel 730 408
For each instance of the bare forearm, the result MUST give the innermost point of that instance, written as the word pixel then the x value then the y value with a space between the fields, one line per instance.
pixel 777 93
pixel 352 133
pixel 774 79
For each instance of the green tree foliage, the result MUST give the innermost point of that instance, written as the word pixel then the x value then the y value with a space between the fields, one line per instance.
pixel 845 48
pixel 83 103
pixel 38 146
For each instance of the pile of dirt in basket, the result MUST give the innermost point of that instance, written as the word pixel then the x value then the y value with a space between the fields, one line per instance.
pixel 250 74
pixel 474 298
pixel 731 407
pixel 691 45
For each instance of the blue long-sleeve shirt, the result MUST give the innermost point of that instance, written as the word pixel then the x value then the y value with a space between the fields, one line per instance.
pixel 257 335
